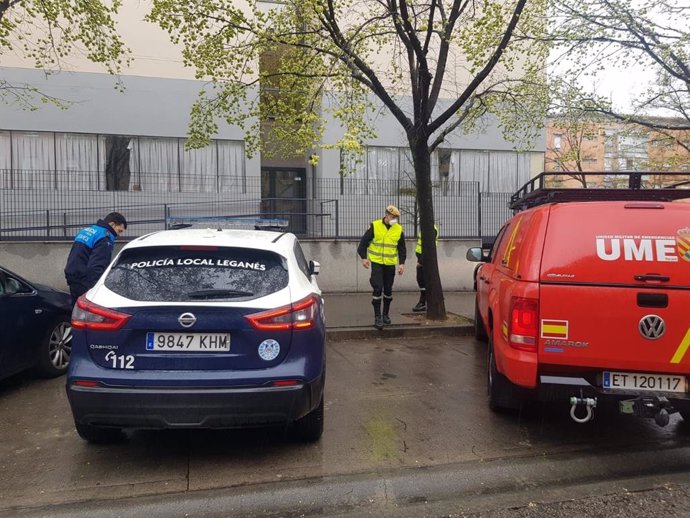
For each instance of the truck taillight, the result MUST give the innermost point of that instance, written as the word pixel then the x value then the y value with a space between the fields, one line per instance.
pixel 87 315
pixel 300 315
pixel 524 324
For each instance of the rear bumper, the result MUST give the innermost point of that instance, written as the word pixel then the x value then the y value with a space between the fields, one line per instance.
pixel 561 388
pixel 192 407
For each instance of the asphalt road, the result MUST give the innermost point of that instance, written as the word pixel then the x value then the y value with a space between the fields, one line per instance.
pixel 407 433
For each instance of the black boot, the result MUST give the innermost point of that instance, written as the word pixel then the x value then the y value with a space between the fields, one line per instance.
pixel 421 305
pixel 378 321
pixel 386 309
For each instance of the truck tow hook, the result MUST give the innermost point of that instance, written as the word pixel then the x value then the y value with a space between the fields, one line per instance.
pixel 589 403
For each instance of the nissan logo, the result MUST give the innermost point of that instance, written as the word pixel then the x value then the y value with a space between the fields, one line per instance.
pixel 187 320
pixel 652 327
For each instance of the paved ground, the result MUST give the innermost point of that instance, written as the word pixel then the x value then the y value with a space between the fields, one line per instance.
pixel 407 432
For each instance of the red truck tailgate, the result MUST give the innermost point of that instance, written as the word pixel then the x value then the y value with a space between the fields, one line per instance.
pixel 605 327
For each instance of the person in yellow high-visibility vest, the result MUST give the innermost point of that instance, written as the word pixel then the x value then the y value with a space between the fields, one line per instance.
pixel 421 305
pixel 383 246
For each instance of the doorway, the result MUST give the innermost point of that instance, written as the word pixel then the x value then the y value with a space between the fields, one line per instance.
pixel 284 195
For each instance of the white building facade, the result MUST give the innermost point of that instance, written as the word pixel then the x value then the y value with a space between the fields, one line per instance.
pixel 56 165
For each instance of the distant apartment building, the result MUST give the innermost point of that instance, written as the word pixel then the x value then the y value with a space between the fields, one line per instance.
pixel 607 146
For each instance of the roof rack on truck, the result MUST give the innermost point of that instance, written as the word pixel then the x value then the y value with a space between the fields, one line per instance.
pixel 601 186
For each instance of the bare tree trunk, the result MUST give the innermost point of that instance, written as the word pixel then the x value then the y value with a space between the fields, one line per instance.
pixel 436 308
pixel 117 173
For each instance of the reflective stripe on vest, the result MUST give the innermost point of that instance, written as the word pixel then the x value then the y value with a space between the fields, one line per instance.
pixel 418 249
pixel 383 249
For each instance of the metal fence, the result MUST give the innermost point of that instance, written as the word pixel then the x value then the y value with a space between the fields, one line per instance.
pixel 331 208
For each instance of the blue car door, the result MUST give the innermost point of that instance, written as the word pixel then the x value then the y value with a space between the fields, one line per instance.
pixel 19 323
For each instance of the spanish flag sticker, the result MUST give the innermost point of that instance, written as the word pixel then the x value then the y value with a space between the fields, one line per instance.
pixel 554 329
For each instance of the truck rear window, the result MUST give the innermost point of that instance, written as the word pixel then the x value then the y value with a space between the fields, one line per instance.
pixel 193 274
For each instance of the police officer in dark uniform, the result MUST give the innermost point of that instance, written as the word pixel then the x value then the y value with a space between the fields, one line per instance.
pixel 382 246
pixel 91 253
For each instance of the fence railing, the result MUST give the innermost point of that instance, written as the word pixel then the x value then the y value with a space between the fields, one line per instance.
pixel 330 208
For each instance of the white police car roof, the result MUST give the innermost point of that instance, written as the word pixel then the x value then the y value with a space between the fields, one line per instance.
pixel 262 239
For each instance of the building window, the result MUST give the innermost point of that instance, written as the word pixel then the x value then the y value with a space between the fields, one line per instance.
pixel 557 141
pixel 89 162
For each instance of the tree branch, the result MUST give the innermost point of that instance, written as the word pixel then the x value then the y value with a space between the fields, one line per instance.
pixel 484 72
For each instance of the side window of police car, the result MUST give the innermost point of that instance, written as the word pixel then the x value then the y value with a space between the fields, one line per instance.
pixel 301 260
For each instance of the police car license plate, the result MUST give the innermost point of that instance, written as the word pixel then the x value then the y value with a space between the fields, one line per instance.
pixel 640 381
pixel 188 342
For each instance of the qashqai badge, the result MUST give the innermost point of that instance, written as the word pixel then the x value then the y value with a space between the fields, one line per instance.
pixel 652 327
pixel 187 320
pixel 269 350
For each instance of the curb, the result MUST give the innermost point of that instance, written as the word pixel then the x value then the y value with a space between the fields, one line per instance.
pixel 336 334
pixel 441 490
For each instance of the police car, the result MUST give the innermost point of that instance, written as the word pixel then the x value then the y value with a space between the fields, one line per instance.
pixel 200 328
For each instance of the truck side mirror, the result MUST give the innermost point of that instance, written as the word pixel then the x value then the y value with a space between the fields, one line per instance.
pixel 475 255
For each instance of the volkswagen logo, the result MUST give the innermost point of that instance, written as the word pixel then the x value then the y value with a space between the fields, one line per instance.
pixel 187 320
pixel 652 327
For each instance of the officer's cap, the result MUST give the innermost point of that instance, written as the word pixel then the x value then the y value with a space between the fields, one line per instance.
pixel 393 211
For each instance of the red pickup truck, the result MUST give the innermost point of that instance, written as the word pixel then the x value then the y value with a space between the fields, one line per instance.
pixel 585 295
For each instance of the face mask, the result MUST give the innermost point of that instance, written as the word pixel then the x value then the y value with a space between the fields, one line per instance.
pixel 393 221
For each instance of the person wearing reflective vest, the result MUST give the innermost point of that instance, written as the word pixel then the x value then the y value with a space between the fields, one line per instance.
pixel 382 247
pixel 421 305
pixel 91 253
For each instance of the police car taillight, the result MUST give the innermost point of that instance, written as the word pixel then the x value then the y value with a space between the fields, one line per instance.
pixel 523 325
pixel 87 315
pixel 300 315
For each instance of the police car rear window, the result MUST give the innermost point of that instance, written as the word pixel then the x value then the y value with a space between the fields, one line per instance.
pixel 194 274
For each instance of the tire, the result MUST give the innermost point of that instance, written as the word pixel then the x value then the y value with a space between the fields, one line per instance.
pixel 479 329
pixel 310 427
pixel 55 350
pixel 502 394
pixel 99 435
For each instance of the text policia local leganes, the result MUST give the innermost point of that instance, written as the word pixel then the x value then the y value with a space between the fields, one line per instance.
pixel 227 263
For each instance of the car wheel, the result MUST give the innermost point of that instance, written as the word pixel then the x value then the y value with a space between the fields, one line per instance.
pixel 310 427
pixel 99 435
pixel 503 395
pixel 479 330
pixel 55 350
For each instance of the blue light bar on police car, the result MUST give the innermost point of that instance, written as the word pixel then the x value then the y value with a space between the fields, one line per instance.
pixel 236 222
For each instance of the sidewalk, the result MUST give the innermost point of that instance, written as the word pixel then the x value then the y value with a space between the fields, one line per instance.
pixel 350 315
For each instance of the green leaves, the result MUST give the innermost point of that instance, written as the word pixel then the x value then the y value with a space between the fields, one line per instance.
pixel 47 32
pixel 280 70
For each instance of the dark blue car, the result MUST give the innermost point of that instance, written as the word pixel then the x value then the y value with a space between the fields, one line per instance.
pixel 35 331
pixel 200 329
